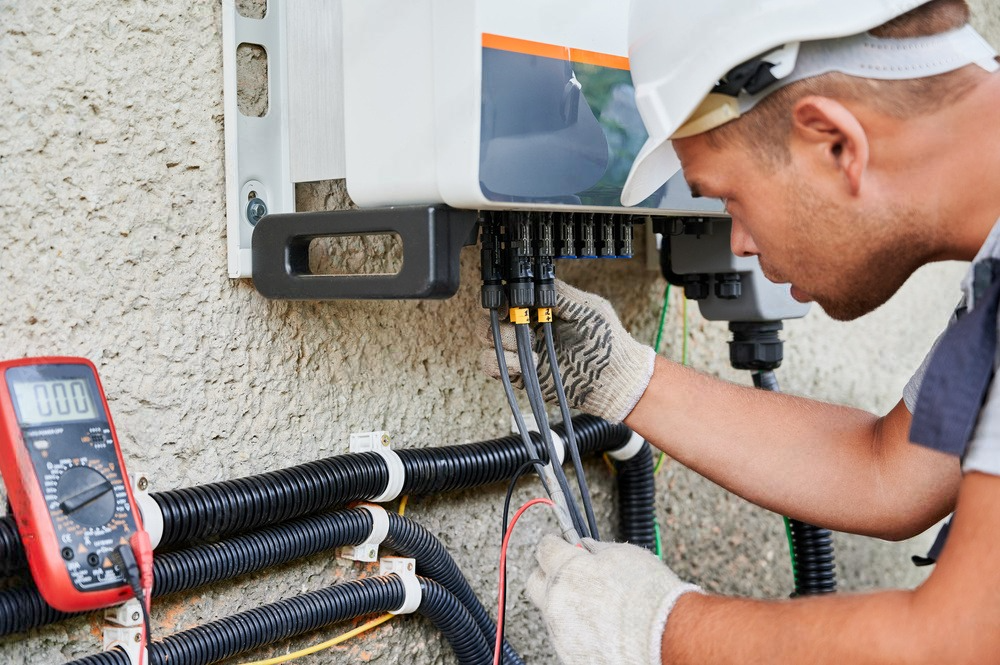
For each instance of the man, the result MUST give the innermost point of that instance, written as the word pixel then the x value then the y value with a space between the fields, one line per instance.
pixel 864 143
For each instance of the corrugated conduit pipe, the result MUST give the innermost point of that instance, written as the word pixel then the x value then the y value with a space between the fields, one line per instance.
pixel 222 508
pixel 22 609
pixel 244 632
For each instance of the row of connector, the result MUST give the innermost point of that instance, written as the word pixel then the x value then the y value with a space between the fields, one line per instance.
pixel 519 248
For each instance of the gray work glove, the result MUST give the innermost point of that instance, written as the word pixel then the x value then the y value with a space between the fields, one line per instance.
pixel 603 369
pixel 604 603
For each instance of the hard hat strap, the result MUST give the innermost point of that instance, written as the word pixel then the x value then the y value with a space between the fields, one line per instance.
pixel 867 56
pixel 863 55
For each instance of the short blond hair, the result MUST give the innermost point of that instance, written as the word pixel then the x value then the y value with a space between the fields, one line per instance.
pixel 766 127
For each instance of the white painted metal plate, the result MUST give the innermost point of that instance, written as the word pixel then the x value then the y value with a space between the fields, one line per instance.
pixel 300 137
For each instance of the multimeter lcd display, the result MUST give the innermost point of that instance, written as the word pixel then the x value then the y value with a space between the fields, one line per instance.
pixel 54 401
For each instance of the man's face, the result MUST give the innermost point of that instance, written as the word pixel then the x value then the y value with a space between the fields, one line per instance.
pixel 846 252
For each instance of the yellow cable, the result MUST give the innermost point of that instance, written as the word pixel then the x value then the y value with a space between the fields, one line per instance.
pixel 610 464
pixel 402 504
pixel 324 645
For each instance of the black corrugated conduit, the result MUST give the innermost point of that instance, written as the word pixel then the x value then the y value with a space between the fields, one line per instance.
pixel 230 506
pixel 218 509
pixel 433 561
pixel 11 552
pixel 815 569
pixel 22 609
pixel 449 616
pixel 427 471
pixel 636 499
pixel 244 632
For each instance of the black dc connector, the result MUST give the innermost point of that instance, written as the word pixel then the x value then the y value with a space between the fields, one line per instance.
pixel 545 269
pixel 520 272
pixel 491 261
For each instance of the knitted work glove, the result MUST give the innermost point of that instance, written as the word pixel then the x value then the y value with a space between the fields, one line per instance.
pixel 603 369
pixel 605 603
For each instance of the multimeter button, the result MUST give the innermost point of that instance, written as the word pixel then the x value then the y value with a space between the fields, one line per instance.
pixel 41 444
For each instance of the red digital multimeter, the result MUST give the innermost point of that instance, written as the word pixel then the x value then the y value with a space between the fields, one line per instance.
pixel 66 480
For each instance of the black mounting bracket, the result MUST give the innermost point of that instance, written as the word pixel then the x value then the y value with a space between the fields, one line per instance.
pixel 432 239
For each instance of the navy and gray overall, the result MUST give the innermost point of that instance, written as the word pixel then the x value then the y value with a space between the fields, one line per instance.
pixel 954 401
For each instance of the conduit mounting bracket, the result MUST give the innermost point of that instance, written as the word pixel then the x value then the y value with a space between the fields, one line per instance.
pixel 378 442
pixel 406 569
pixel 123 629
pixel 368 550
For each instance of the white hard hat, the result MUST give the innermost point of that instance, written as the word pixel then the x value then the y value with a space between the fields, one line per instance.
pixel 679 51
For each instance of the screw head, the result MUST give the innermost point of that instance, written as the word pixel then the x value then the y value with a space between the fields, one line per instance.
pixel 371 554
pixel 409 566
pixel 143 484
pixel 135 616
pixel 385 439
pixel 256 210
pixel 138 637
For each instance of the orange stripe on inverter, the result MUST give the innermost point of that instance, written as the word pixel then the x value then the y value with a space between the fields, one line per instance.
pixel 552 51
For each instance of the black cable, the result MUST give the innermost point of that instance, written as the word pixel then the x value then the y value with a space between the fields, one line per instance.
pixel 532 388
pixel 574 450
pixel 124 557
pixel 510 493
pixel 515 408
pixel 502 611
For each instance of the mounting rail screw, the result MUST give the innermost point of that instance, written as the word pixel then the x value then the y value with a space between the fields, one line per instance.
pixel 135 616
pixel 256 209
pixel 138 637
pixel 142 484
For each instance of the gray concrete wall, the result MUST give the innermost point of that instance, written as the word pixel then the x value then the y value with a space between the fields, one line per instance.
pixel 113 248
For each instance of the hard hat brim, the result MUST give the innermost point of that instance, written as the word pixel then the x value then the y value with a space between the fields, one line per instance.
pixel 654 165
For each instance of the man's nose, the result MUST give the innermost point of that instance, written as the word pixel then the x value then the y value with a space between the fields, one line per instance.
pixel 740 241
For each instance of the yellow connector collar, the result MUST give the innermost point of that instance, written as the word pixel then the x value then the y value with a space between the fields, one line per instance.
pixel 520 315
pixel 545 315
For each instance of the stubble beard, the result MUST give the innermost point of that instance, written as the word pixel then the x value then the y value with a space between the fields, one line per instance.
pixel 865 259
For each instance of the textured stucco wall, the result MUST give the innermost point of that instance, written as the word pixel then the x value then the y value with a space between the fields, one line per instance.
pixel 113 247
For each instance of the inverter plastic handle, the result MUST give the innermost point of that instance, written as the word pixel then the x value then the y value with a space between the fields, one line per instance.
pixel 432 239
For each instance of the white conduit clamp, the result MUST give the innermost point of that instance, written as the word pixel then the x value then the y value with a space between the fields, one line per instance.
pixel 378 442
pixel 629 450
pixel 149 510
pixel 532 425
pixel 123 630
pixel 368 550
pixel 406 569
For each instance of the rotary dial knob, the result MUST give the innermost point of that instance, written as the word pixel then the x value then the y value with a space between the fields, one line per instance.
pixel 86 496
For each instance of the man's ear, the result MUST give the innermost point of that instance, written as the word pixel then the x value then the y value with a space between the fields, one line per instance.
pixel 836 135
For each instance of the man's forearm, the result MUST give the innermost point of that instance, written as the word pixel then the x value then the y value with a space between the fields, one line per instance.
pixel 875 628
pixel 831 465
